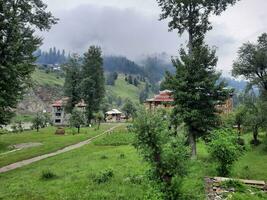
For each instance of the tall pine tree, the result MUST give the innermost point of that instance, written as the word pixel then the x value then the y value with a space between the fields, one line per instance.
pixel 72 88
pixel 18 22
pixel 93 81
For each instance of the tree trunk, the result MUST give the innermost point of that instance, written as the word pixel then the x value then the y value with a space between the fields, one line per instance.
pixel 78 129
pixel 192 142
pixel 255 136
pixel 239 129
pixel 98 124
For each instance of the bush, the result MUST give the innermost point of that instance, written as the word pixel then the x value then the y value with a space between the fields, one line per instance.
pixel 47 175
pixel 103 176
pixel 122 156
pixel 224 149
pixel 103 157
pixel 236 185
pixel 163 149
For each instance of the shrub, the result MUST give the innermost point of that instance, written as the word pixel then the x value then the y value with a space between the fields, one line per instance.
pixel 224 149
pixel 103 157
pixel 103 176
pixel 163 149
pixel 237 185
pixel 122 156
pixel 47 175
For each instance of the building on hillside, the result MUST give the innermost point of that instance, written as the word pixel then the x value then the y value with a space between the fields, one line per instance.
pixel 114 115
pixel 163 100
pixel 59 116
pixel 227 107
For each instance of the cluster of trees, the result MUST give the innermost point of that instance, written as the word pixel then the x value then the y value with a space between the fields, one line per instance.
pixel 18 42
pixel 251 64
pixel 122 65
pixel 52 57
pixel 132 80
pixel 197 90
pixel 85 81
pixel 111 78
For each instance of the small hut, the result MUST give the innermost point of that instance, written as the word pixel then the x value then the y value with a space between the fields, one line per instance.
pixel 114 115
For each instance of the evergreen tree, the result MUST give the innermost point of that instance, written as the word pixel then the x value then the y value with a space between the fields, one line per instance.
pixel 135 82
pixel 93 81
pixel 195 82
pixel 18 22
pixel 72 82
pixel 197 92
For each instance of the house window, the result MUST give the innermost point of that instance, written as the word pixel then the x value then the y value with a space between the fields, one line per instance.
pixel 58 114
pixel 57 121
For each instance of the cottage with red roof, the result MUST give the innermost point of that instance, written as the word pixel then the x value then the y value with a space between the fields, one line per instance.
pixel 163 100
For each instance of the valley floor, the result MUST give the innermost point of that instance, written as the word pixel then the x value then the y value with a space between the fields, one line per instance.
pixel 110 168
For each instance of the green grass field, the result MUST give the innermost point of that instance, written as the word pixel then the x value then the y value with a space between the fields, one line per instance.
pixel 76 172
pixel 51 79
pixel 125 90
pixel 47 137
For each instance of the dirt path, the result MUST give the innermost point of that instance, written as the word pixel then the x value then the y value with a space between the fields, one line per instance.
pixel 42 157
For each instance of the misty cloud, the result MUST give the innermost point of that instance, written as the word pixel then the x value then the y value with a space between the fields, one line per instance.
pixel 131 28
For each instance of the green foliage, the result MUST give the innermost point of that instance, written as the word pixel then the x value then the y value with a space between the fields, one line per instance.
pixel 18 43
pixel 254 116
pixel 103 176
pixel 77 119
pixel 129 109
pixel 192 16
pixel 237 185
pixel 224 149
pixel 163 150
pixel 39 121
pixel 251 62
pixel 48 175
pixel 197 91
pixel 93 81
pixel 72 88
pixel 99 116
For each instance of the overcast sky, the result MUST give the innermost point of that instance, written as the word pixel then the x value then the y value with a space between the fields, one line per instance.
pixel 131 28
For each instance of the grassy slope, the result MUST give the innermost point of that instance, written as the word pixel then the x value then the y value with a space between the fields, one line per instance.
pixel 42 78
pixel 125 90
pixel 47 137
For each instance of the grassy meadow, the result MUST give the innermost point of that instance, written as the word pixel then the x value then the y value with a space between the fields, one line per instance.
pixel 50 142
pixel 110 168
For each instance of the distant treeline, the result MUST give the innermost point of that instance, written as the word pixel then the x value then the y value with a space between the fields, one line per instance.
pixel 51 57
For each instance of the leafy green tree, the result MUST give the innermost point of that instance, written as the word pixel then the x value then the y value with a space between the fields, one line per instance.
pixel 195 84
pixel 72 88
pixel 77 119
pixel 18 21
pixel 256 118
pixel 163 149
pixel 129 109
pixel 251 62
pixel 192 16
pixel 196 92
pixel 225 149
pixel 93 81
pixel 38 121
